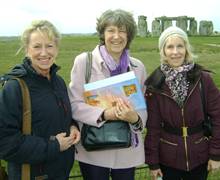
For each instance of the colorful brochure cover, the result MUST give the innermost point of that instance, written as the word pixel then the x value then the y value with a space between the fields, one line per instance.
pixel 102 93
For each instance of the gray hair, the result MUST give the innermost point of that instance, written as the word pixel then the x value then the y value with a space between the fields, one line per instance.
pixel 177 32
pixel 118 18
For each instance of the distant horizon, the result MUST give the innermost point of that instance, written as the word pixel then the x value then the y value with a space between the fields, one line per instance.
pixel 60 33
pixel 87 32
pixel 95 33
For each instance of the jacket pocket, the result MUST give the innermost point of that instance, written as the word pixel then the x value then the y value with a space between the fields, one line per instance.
pixel 168 142
pixel 168 151
pixel 204 138
pixel 200 148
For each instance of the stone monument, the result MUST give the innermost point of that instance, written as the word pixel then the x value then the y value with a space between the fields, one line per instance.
pixel 156 28
pixel 192 27
pixel 188 24
pixel 142 26
pixel 205 28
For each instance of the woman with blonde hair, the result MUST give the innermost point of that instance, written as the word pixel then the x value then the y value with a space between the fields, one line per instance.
pixel 49 149
pixel 176 147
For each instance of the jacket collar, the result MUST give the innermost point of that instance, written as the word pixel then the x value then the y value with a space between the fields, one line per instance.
pixel 27 64
pixel 155 81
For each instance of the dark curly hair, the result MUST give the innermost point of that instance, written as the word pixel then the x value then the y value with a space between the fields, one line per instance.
pixel 117 18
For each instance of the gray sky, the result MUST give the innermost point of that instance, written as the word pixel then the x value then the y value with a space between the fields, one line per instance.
pixel 79 16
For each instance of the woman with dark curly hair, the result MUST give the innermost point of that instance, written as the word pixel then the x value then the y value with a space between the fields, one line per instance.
pixel 116 30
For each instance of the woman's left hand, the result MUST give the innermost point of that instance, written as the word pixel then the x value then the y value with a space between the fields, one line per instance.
pixel 124 111
pixel 75 134
pixel 213 165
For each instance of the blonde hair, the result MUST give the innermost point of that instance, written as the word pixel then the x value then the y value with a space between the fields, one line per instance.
pixel 42 26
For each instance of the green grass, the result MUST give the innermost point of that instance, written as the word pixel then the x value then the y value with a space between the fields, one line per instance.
pixel 143 48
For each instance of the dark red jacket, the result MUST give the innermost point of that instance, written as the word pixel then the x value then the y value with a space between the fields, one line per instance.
pixel 174 150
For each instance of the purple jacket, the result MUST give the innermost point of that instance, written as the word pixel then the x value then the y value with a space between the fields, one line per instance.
pixel 173 150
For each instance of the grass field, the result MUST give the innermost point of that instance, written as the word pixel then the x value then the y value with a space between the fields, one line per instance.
pixel 207 49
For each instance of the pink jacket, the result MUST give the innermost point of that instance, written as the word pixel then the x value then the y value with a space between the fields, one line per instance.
pixel 120 158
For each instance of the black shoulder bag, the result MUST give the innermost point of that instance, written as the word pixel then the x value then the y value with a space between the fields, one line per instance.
pixel 207 123
pixel 111 135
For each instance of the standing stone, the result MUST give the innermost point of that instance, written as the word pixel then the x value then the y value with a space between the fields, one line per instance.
pixel 156 28
pixel 166 24
pixel 181 22
pixel 142 26
pixel 205 28
pixel 193 27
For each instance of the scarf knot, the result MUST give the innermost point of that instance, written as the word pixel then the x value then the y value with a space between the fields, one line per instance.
pixel 176 79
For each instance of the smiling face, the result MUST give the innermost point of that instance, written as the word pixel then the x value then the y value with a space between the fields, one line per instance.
pixel 175 51
pixel 115 40
pixel 42 52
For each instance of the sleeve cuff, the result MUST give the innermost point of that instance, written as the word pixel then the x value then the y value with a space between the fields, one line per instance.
pixel 137 126
pixel 53 148
pixel 214 157
pixel 74 123
pixel 101 118
pixel 154 166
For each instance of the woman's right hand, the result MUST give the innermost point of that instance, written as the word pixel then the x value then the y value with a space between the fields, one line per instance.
pixel 109 114
pixel 154 174
pixel 65 141
pixel 125 111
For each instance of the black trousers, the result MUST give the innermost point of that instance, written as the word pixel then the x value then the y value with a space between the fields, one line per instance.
pixel 91 172
pixel 198 173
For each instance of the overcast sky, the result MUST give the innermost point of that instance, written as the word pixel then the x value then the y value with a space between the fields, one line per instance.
pixel 79 16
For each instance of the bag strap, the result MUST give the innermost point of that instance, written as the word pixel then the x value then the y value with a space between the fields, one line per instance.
pixel 202 93
pixel 26 127
pixel 88 66
pixel 26 124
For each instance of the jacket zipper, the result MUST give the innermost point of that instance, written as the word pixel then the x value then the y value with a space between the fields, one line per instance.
pixel 185 142
pixel 184 124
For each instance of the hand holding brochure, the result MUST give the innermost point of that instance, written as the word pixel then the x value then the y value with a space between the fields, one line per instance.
pixel 103 93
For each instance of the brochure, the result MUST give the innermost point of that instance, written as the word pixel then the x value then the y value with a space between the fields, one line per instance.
pixel 102 93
